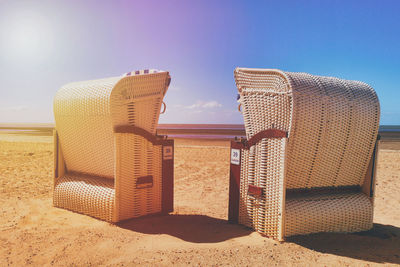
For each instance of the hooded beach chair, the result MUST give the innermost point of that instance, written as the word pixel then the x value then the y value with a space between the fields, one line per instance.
pixel 109 162
pixel 307 164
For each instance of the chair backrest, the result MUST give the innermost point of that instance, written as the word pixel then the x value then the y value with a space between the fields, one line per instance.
pixel 332 124
pixel 87 112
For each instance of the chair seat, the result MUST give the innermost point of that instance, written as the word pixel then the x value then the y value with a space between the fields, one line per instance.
pixel 86 194
pixel 334 212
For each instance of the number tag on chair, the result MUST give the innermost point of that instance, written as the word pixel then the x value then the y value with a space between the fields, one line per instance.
pixel 235 156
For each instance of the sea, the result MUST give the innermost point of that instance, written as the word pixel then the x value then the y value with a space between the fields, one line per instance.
pixel 188 131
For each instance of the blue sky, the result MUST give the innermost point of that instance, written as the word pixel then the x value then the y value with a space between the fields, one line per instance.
pixel 45 44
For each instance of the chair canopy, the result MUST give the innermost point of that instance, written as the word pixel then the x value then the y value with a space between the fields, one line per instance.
pixel 87 112
pixel 332 124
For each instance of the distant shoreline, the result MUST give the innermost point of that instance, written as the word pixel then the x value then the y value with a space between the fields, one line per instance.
pixel 189 131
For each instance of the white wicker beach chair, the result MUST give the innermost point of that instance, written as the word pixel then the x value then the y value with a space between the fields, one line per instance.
pixel 308 163
pixel 109 162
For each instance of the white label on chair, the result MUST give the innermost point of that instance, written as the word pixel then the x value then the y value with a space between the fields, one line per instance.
pixel 235 156
pixel 167 152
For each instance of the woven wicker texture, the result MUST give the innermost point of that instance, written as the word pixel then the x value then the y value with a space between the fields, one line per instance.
pixel 85 115
pixel 90 195
pixel 136 157
pixel 332 126
pixel 339 212
pixel 80 110
pixel 84 108
pixel 332 123
pixel 264 213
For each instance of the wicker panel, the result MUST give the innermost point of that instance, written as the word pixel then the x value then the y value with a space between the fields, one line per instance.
pixel 265 100
pixel 137 157
pixel 136 100
pixel 85 194
pixel 338 212
pixel 339 147
pixel 83 121
pixel 247 175
pixel 263 166
pixel 361 140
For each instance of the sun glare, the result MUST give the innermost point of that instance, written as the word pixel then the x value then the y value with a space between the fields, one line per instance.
pixel 25 36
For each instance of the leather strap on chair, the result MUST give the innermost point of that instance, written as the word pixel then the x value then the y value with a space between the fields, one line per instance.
pixel 144 182
pixel 255 191
pixel 269 133
pixel 154 139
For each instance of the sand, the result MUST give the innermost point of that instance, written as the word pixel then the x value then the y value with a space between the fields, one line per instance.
pixel 32 232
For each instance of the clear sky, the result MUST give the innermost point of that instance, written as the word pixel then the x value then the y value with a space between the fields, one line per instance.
pixel 45 44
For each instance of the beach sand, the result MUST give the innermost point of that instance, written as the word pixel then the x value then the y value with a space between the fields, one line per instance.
pixel 32 232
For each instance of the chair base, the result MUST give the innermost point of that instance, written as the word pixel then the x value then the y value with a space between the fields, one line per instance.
pixel 93 196
pixel 304 211
pixel 105 198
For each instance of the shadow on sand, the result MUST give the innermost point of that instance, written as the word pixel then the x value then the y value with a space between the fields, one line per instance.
pixel 190 228
pixel 381 244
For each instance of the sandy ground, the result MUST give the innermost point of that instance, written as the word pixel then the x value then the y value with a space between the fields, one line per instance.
pixel 32 232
